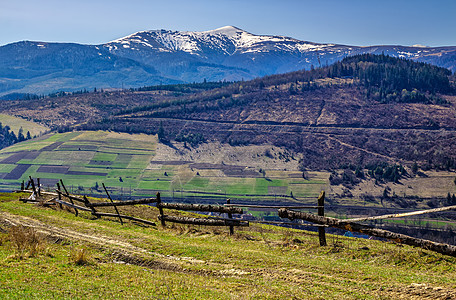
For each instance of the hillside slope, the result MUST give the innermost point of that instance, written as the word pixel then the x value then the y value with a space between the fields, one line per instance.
pixel 186 262
pixel 349 108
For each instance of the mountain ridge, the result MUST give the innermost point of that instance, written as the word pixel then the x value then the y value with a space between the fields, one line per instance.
pixel 165 56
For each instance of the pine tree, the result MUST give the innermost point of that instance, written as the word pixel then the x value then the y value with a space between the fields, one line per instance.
pixel 161 133
pixel 415 168
pixel 20 135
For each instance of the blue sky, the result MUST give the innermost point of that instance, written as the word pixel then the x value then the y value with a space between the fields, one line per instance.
pixel 351 22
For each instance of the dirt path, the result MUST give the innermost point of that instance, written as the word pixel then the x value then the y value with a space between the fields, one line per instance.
pixel 129 253
pixel 122 250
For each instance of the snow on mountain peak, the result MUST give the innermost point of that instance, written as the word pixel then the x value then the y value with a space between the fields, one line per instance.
pixel 226 40
pixel 230 31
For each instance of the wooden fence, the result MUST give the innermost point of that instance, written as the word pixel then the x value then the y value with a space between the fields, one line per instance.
pixel 63 197
pixel 286 212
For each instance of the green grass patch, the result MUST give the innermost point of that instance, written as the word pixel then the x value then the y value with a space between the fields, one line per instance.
pixel 6 168
pixel 69 158
pixel 155 185
pixel 100 156
pixel 197 182
pixel 196 262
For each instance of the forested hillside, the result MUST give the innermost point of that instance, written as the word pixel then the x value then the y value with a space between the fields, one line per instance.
pixel 365 109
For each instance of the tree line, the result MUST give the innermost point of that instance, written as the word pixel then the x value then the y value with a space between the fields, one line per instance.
pixel 8 137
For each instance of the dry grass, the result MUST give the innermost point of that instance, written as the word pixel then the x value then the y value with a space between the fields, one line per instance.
pixel 80 257
pixel 16 123
pixel 26 241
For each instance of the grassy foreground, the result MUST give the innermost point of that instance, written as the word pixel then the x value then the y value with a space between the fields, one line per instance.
pixel 81 257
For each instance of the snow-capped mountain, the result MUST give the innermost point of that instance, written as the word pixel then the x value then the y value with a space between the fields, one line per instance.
pixel 165 56
pixel 227 41
pixel 227 46
pixel 259 54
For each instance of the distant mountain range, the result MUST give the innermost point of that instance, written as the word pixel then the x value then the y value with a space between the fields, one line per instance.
pixel 164 57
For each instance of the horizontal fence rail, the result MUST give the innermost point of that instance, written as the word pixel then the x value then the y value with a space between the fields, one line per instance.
pixel 369 230
pixel 72 205
pixel 273 206
pixel 123 203
pixel 401 215
pixel 200 207
pixel 203 221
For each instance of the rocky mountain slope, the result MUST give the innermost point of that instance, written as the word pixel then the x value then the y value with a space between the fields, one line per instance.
pixel 165 56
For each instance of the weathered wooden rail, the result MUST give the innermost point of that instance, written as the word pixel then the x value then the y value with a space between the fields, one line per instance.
pixel 201 207
pixel 123 203
pixel 401 215
pixel 369 230
pixel 201 221
pixel 286 212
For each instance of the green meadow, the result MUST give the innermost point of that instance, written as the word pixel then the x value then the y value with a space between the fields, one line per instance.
pixel 125 163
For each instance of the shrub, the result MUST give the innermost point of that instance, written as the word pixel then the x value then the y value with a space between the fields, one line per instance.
pixel 79 257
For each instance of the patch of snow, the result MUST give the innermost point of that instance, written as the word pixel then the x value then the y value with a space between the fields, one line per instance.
pixel 420 46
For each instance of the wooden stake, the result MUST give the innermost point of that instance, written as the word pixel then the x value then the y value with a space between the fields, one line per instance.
pixel 33 185
pixel 230 216
pixel 160 209
pixel 321 212
pixel 92 209
pixel 71 200
pixel 39 186
pixel 59 195
pixel 115 207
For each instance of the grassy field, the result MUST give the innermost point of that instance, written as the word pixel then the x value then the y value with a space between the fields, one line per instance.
pixel 137 165
pixel 16 123
pixel 81 257
pixel 123 162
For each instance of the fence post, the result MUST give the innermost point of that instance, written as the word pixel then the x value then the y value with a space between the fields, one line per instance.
pixel 115 207
pixel 60 195
pixel 321 212
pixel 160 209
pixel 33 186
pixel 88 204
pixel 39 186
pixel 71 200
pixel 230 216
